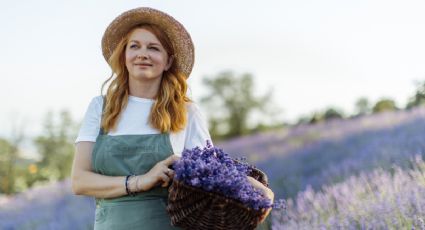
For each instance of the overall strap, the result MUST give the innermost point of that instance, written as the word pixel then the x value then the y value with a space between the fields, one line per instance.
pixel 101 132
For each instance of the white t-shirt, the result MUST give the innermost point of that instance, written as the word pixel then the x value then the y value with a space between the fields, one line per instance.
pixel 134 120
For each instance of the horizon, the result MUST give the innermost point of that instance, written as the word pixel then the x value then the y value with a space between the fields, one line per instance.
pixel 319 55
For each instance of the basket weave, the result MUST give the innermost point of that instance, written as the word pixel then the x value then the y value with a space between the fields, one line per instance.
pixel 193 208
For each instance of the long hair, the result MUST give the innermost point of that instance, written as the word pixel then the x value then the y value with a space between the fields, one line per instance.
pixel 168 113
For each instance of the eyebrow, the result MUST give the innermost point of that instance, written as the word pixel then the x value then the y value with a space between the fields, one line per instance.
pixel 151 43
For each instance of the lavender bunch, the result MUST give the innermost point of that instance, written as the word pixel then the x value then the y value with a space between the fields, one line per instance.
pixel 213 170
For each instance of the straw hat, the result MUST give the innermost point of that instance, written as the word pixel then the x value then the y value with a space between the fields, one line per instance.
pixel 179 37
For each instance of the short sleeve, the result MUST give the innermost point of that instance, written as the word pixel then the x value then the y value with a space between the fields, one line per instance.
pixel 90 126
pixel 197 130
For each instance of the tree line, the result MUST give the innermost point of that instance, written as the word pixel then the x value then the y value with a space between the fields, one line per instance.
pixel 54 146
pixel 230 102
pixel 232 110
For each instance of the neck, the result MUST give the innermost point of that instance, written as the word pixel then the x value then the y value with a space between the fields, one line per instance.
pixel 144 89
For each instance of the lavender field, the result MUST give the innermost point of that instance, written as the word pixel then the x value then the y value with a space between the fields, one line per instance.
pixel 377 200
pixel 51 206
pixel 328 153
pixel 342 174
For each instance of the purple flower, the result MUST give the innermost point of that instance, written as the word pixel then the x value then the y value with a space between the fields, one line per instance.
pixel 211 169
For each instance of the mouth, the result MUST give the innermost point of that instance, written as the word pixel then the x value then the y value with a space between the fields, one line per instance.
pixel 143 65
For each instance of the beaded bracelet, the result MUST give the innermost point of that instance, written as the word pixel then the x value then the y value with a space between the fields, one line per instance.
pixel 135 192
pixel 127 189
pixel 126 184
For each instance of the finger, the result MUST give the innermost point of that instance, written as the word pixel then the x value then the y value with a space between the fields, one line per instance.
pixel 263 189
pixel 254 181
pixel 171 159
pixel 165 177
pixel 269 194
pixel 256 184
pixel 170 173
pixel 264 216
pixel 166 181
pixel 165 184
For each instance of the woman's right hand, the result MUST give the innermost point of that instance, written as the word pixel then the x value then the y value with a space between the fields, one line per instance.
pixel 160 174
pixel 267 193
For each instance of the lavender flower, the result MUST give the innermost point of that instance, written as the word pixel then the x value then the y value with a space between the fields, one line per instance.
pixel 213 170
pixel 372 200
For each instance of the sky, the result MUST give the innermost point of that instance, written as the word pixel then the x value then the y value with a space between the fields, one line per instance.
pixel 312 54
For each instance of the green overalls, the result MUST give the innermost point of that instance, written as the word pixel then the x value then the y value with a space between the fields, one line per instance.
pixel 131 154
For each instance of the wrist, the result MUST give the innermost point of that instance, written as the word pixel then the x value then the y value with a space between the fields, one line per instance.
pixel 141 183
pixel 132 184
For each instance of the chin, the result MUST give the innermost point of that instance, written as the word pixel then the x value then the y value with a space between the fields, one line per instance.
pixel 144 76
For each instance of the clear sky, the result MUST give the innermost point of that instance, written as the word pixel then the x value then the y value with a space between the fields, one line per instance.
pixel 313 54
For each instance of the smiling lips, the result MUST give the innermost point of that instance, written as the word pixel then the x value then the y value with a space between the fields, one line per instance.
pixel 143 64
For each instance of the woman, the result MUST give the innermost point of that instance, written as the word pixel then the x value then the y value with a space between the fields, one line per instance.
pixel 130 137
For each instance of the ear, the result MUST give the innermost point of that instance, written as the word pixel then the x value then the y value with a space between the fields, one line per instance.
pixel 170 62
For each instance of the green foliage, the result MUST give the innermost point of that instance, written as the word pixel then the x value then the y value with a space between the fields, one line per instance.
pixel 419 96
pixel 362 106
pixel 384 105
pixel 261 127
pixel 303 120
pixel 316 117
pixel 7 156
pixel 11 159
pixel 56 147
pixel 231 103
pixel 328 114
pixel 11 162
pixel 332 113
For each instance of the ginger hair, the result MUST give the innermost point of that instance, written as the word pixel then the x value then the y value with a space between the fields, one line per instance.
pixel 168 113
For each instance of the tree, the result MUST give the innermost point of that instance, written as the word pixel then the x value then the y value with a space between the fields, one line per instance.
pixel 231 103
pixel 316 117
pixel 6 162
pixel 384 105
pixel 9 155
pixel 419 97
pixel 362 106
pixel 56 147
pixel 304 119
pixel 332 113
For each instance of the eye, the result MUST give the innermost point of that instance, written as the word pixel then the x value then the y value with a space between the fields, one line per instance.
pixel 133 46
pixel 154 48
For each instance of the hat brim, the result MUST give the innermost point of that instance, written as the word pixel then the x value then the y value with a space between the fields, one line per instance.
pixel 179 37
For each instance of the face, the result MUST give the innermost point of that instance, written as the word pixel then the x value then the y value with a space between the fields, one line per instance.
pixel 145 57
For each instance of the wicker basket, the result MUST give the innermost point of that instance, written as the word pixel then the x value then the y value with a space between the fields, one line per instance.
pixel 193 208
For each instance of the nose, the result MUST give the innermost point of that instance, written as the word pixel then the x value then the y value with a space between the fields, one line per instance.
pixel 143 54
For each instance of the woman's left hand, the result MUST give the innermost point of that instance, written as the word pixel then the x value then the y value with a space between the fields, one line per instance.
pixel 266 191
